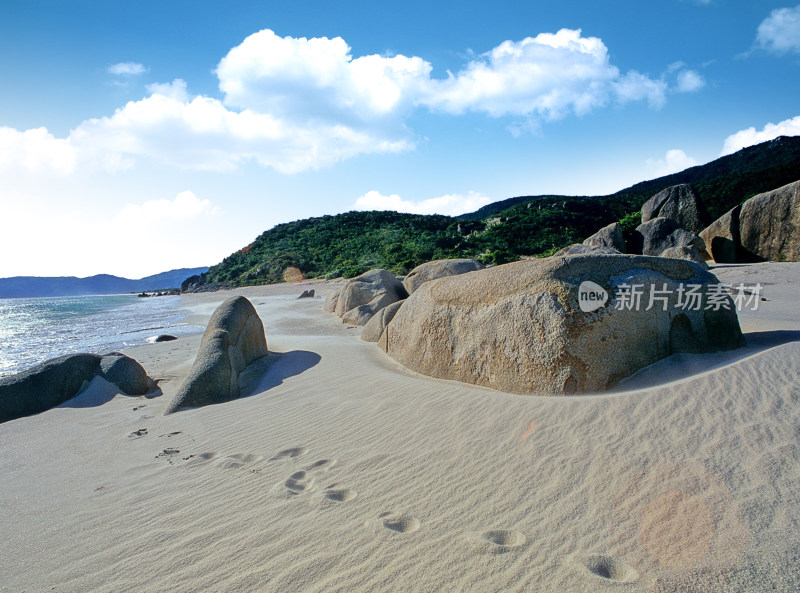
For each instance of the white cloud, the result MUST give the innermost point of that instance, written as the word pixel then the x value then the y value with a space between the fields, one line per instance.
pixel 54 238
pixel 185 206
pixel 549 75
pixel 36 151
pixel 450 204
pixel 674 161
pixel 780 31
pixel 294 104
pixel 689 81
pixel 751 136
pixel 637 87
pixel 127 69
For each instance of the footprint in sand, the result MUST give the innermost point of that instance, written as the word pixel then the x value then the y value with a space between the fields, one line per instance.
pixel 137 434
pixel 169 454
pixel 339 494
pixel 200 458
pixel 499 541
pixel 170 434
pixel 289 453
pixel 239 460
pixel 300 482
pixel 400 523
pixel 323 465
pixel 609 568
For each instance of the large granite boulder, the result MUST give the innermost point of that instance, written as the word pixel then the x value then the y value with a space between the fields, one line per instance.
pixel 687 252
pixel 679 203
pixel 520 327
pixel 233 340
pixel 608 236
pixel 583 249
pixel 765 227
pixel 375 327
pixel 361 297
pixel 659 234
pixel 59 379
pixel 722 237
pixel 438 269
pixel 125 373
pixel 769 225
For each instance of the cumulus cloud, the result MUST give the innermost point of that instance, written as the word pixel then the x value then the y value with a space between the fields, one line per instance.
pixel 689 81
pixel 450 204
pixel 36 151
pixel 780 31
pixel 674 161
pixel 751 136
pixel 185 206
pixel 127 69
pixel 295 104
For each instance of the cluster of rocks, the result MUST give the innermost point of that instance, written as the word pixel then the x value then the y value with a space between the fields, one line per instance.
pixel 370 300
pixel 518 327
pixel 671 221
pixel 57 380
pixel 159 293
pixel 765 227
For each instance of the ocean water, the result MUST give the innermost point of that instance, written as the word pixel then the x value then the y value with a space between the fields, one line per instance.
pixel 34 330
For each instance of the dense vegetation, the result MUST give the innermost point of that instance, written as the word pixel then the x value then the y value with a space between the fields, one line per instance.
pixel 351 243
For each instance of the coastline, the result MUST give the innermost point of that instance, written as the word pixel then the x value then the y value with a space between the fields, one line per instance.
pixel 344 471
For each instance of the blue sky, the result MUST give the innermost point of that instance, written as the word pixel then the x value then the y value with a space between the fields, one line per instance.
pixel 139 137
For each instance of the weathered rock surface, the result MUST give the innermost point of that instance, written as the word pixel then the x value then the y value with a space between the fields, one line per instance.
pixel 375 327
pixel 234 339
pixel 125 373
pixel 765 227
pixel 518 327
pixel 659 234
pixel 679 203
pixel 769 225
pixel 438 269
pixel 57 380
pixel 608 236
pixel 361 297
pixel 583 249
pixel 689 253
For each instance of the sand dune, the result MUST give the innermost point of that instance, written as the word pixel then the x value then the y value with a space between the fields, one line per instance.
pixel 344 471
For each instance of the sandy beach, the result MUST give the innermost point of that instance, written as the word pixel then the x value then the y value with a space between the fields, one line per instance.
pixel 343 471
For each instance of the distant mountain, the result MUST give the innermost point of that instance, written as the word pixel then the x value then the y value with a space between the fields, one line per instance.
pixel 351 243
pixel 42 286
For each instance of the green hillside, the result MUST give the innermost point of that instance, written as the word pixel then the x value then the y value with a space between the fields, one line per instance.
pixel 351 243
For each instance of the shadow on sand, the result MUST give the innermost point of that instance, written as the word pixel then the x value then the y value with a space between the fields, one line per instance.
pixel 99 391
pixel 679 367
pixel 274 369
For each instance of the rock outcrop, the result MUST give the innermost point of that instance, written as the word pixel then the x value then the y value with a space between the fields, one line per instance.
pixel 687 252
pixel 769 225
pixel 440 268
pixel 361 297
pixel 765 227
pixel 659 234
pixel 234 339
pixel 583 249
pixel 722 237
pixel 307 294
pixel 59 379
pixel 608 236
pixel 375 327
pixel 519 327
pixel 678 203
